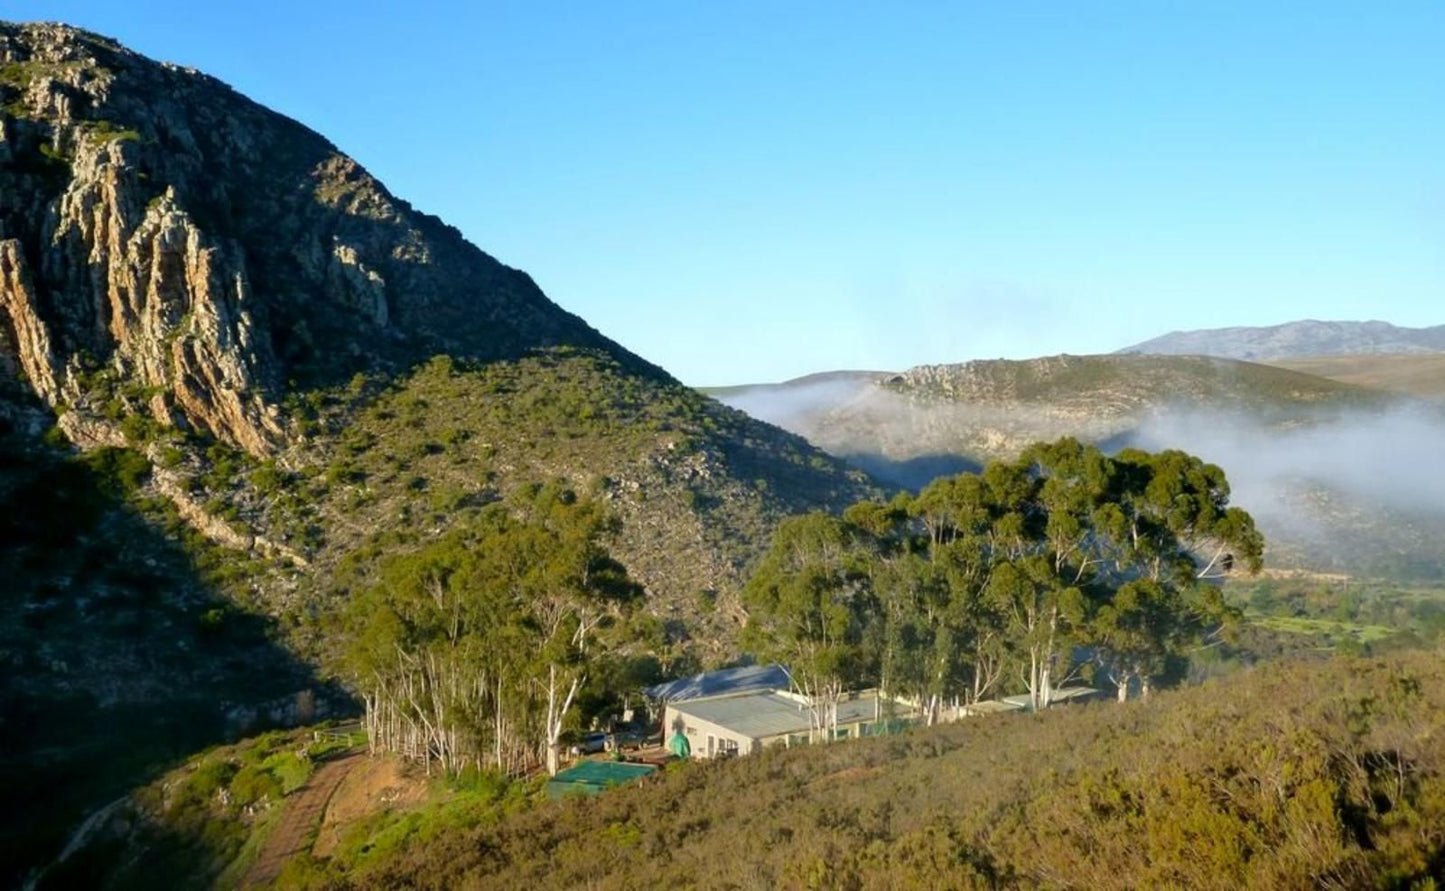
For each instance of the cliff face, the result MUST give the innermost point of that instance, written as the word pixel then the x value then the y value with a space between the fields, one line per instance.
pixel 176 259
pixel 160 229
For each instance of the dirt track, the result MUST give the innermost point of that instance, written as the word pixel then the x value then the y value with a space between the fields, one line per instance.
pixel 303 811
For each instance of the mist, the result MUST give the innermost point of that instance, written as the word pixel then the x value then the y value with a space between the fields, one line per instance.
pixel 1395 459
pixel 1358 490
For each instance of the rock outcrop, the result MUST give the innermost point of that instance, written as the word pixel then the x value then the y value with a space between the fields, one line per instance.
pixel 158 228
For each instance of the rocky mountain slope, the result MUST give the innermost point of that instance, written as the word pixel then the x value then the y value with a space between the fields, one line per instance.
pixel 193 276
pixel 264 373
pixel 1295 340
pixel 162 230
pixel 993 408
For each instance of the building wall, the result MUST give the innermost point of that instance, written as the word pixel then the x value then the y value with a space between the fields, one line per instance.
pixel 697 732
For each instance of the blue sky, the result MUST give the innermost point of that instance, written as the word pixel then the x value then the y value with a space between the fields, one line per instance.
pixel 751 191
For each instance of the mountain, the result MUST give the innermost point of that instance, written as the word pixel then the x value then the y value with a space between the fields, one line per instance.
pixel 1295 340
pixel 989 409
pixel 236 373
pixel 1417 374
pixel 1327 467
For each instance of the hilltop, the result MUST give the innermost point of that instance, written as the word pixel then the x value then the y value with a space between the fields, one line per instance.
pixel 1296 340
pixel 992 408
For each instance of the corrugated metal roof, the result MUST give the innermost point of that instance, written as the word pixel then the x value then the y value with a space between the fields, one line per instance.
pixel 727 680
pixel 1062 694
pixel 992 706
pixel 760 715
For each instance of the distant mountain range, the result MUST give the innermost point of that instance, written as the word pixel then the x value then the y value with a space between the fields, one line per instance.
pixel 1296 340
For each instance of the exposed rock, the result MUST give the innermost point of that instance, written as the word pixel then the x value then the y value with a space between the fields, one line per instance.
pixel 162 226
pixel 24 339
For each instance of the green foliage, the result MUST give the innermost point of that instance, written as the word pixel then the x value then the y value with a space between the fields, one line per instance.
pixel 120 472
pixel 1335 612
pixel 1292 776
pixel 103 131
pixel 517 603
pixel 267 480
pixel 1009 572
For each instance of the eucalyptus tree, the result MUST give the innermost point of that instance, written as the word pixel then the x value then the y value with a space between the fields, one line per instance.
pixel 475 646
pixel 1033 569
pixel 809 604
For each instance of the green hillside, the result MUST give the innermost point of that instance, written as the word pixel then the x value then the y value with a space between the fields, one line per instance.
pixel 1121 383
pixel 1310 774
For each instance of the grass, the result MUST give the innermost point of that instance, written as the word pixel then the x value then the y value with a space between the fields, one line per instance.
pixel 205 821
pixel 1364 634
pixel 1418 374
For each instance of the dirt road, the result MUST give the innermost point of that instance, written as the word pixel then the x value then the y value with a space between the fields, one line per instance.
pixel 303 811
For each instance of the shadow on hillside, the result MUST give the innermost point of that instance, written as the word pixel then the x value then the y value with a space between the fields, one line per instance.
pixel 912 473
pixel 118 659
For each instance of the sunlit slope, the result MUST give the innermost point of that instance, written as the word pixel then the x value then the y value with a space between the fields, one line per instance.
pixel 1418 374
pixel 1287 776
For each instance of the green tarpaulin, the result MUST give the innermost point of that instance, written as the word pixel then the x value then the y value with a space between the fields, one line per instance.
pixel 591 777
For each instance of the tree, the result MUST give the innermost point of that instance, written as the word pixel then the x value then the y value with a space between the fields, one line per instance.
pixel 1037 569
pixel 477 645
pixel 808 604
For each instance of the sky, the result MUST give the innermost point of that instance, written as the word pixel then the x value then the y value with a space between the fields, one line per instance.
pixel 750 191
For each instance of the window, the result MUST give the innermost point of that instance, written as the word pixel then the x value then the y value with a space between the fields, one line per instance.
pixel 728 748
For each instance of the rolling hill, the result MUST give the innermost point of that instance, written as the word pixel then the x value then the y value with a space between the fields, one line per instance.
pixel 1323 464
pixel 1296 340
pixel 1416 374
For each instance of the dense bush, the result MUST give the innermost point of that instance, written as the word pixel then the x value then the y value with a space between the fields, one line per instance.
pixel 1299 775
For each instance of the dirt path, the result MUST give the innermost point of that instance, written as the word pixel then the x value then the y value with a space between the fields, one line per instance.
pixel 303 811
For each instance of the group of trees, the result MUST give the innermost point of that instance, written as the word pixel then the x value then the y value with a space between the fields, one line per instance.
pixel 474 649
pixel 478 648
pixel 1022 576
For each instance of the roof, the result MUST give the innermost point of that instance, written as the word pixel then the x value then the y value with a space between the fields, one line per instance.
pixel 1062 694
pixel 591 777
pixel 992 706
pixel 769 713
pixel 728 680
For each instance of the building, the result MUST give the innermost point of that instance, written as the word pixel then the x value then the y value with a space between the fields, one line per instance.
pixel 742 723
pixel 1020 703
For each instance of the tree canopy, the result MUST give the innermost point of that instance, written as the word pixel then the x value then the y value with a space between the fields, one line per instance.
pixel 1026 575
pixel 474 648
